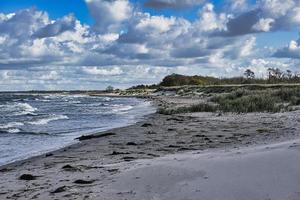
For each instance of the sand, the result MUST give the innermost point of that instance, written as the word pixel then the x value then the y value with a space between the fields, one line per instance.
pixel 269 172
pixel 188 156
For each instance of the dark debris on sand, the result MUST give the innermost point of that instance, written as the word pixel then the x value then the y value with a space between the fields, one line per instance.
pixel 27 177
pixel 88 137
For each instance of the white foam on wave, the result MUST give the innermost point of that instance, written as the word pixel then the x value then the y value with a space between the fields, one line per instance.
pixel 121 108
pixel 107 99
pixel 11 125
pixel 74 102
pixel 78 96
pixel 13 130
pixel 18 109
pixel 49 119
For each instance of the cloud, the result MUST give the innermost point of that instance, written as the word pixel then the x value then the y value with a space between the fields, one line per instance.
pixel 52 75
pixel 291 51
pixel 266 16
pixel 102 71
pixel 260 66
pixel 209 20
pixel 178 4
pixel 23 23
pixel 263 25
pixel 109 16
pixel 247 48
pixel 150 28
pixel 237 6
pixel 67 23
pixel 29 38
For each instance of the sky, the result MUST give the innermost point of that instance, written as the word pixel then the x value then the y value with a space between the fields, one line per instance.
pixel 90 44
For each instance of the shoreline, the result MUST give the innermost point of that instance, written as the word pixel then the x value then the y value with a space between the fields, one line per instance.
pixel 98 160
pixel 75 142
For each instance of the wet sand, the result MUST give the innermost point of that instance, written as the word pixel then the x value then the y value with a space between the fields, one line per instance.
pixel 92 168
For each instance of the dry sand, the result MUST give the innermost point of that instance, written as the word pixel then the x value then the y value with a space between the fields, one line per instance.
pixel 124 163
pixel 269 172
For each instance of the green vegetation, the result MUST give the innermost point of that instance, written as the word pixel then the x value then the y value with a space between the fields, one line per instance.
pixel 178 80
pixel 109 88
pixel 275 76
pixel 244 101
pixel 202 107
pixel 144 87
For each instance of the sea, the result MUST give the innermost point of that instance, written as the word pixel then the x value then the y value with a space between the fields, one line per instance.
pixel 32 124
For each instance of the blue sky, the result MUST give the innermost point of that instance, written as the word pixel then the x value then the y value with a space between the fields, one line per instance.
pixel 89 44
pixel 59 8
pixel 55 8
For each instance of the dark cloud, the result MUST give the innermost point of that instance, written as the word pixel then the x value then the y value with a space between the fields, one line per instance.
pixel 177 4
pixel 67 23
pixel 23 23
pixel 190 52
pixel 243 24
pixel 290 51
pixel 266 16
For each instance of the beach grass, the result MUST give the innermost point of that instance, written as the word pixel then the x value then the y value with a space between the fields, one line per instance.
pixel 243 100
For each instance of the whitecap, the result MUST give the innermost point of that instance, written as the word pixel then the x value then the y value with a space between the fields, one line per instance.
pixel 78 96
pixel 24 108
pixel 49 119
pixel 121 108
pixel 74 102
pixel 107 99
pixel 13 130
pixel 11 125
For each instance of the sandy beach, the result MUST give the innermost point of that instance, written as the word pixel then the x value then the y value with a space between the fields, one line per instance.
pixel 180 156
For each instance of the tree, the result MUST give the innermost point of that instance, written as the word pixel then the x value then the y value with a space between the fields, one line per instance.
pixel 275 73
pixel 271 72
pixel 278 73
pixel 109 88
pixel 249 74
pixel 289 74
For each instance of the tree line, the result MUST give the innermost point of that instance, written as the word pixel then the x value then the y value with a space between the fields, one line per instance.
pixel 274 76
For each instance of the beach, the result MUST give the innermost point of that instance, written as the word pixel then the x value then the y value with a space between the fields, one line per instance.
pixel 178 156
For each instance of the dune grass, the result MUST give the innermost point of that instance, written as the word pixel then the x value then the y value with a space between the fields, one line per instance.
pixel 202 107
pixel 245 101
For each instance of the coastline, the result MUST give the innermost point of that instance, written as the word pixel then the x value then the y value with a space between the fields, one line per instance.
pixel 76 142
pixel 97 159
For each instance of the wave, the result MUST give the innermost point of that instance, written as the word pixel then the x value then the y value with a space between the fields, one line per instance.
pixel 107 99
pixel 17 109
pixel 11 125
pixel 49 119
pixel 121 108
pixel 10 130
pixel 13 130
pixel 26 109
pixel 19 131
pixel 74 102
